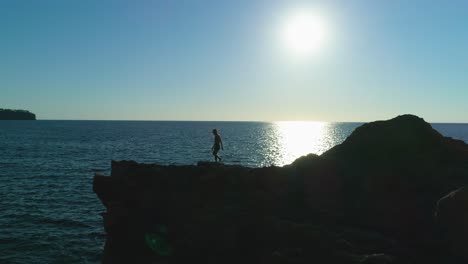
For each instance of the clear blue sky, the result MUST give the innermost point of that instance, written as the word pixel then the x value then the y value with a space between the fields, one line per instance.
pixel 220 60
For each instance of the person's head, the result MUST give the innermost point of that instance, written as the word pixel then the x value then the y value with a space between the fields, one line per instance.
pixel 215 132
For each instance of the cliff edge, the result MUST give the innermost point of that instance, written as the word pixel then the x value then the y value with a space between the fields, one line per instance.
pixel 369 200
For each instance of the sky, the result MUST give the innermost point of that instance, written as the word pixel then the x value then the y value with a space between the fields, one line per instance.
pixel 225 60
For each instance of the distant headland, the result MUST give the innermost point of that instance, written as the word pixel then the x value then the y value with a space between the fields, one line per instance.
pixel 8 114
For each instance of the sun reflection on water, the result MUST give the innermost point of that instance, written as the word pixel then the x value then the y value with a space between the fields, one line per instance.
pixel 296 139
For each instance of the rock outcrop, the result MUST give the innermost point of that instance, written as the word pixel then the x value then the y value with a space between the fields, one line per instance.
pixel 452 220
pixel 369 200
pixel 395 171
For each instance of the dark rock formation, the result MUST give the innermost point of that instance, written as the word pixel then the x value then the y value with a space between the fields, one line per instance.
pixel 452 220
pixel 395 171
pixel 7 114
pixel 368 200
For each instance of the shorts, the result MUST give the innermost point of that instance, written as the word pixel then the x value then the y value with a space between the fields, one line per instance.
pixel 215 150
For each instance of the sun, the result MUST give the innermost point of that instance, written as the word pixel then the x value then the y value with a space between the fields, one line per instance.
pixel 303 32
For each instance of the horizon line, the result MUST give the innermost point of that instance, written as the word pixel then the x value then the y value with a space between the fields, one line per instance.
pixel 233 121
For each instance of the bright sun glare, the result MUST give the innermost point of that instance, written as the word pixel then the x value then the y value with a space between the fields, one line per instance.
pixel 303 32
pixel 301 138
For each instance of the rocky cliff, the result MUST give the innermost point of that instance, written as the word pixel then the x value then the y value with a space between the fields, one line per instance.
pixel 369 200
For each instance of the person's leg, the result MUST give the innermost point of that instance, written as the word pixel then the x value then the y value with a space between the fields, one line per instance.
pixel 215 154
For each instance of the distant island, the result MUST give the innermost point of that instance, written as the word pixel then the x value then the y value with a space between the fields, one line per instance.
pixel 8 114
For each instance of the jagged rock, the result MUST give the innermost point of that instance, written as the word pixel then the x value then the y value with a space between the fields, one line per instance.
pixel 376 192
pixel 452 220
pixel 395 171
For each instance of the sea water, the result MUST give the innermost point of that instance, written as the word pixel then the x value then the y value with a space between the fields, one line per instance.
pixel 48 212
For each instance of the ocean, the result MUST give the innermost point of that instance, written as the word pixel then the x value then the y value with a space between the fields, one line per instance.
pixel 48 212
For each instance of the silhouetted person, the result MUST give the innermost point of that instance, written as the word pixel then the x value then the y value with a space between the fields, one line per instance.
pixel 218 143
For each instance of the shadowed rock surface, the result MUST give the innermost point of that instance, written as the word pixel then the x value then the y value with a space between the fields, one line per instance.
pixel 369 200
pixel 7 114
pixel 452 219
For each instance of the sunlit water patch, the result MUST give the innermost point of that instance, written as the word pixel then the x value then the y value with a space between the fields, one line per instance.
pixel 288 141
pixel 300 138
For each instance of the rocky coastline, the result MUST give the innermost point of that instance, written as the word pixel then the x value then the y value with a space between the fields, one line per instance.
pixel 392 192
